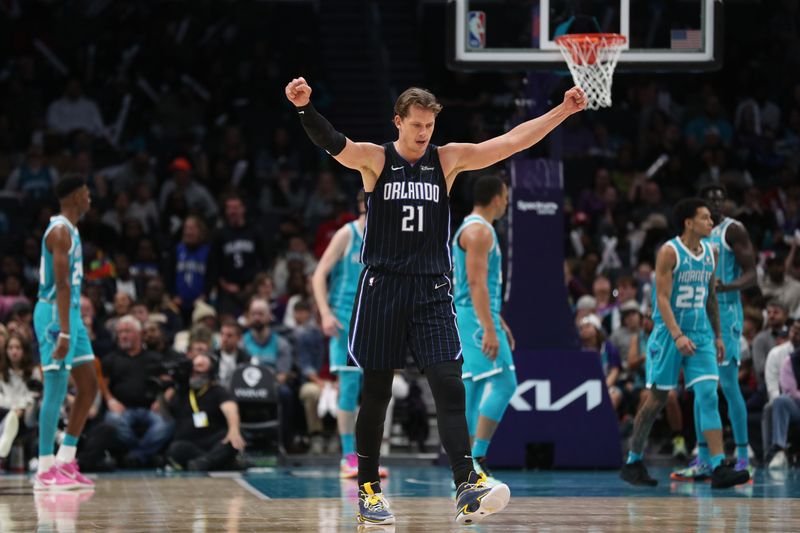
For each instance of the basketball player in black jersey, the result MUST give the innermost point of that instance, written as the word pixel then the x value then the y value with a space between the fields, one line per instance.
pixel 404 300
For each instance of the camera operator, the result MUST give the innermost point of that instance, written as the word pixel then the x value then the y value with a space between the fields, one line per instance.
pixel 206 418
pixel 130 371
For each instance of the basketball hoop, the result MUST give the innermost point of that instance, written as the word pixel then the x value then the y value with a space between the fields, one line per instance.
pixel 591 58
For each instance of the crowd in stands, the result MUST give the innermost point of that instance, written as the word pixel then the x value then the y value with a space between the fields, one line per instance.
pixel 210 209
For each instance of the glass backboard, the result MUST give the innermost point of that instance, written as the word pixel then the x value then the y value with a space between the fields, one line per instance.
pixel 519 34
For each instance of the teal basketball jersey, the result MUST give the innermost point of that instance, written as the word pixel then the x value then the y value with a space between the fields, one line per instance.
pixel 495 267
pixel 266 353
pixel 728 269
pixel 345 273
pixel 690 279
pixel 47 278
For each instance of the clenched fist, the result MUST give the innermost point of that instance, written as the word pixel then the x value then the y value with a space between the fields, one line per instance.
pixel 298 92
pixel 574 100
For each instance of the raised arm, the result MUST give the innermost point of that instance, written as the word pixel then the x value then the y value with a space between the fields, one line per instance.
pixel 459 157
pixel 367 158
pixel 739 241
pixel 319 280
pixel 476 240
pixel 59 243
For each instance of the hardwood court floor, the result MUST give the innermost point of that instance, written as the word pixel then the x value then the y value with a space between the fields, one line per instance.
pixel 286 500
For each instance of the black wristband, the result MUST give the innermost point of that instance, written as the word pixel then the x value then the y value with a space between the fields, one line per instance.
pixel 320 131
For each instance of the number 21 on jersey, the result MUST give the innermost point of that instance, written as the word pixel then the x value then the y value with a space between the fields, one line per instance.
pixel 408 222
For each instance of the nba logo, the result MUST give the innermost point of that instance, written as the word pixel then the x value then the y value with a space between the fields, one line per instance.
pixel 477 29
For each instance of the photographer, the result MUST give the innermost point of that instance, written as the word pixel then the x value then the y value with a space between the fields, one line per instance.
pixel 206 418
pixel 131 398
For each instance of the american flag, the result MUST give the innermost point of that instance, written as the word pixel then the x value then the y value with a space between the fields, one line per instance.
pixel 685 39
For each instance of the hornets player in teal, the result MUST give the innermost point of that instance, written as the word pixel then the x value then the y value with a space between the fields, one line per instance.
pixel 686 335
pixel 736 271
pixel 341 263
pixel 488 370
pixel 63 341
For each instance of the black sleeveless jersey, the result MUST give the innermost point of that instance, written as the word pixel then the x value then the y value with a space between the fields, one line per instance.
pixel 408 217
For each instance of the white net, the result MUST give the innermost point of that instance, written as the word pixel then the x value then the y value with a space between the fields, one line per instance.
pixel 591 58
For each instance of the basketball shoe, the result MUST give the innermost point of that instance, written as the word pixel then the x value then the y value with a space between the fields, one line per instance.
pixel 635 473
pixel 726 476
pixel 476 499
pixel 373 509
pixel 54 479
pixel 72 471
pixel 348 468
pixel 696 471
pixel 480 466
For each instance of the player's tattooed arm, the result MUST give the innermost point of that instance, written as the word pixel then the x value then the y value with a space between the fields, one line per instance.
pixel 739 241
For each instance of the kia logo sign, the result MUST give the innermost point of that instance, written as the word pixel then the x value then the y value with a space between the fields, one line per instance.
pixel 543 401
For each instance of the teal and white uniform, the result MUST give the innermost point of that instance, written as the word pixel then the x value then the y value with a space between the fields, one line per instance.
pixel 343 283
pixel 45 315
pixel 690 279
pixel 731 314
pixel 476 365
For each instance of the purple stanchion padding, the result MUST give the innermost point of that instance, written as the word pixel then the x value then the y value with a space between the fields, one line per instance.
pixel 561 398
pixel 536 304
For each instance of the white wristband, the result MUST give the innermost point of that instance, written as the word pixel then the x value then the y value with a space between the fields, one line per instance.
pixel 63 336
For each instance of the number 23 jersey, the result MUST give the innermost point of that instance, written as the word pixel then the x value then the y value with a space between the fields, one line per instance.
pixel 690 279
pixel 408 216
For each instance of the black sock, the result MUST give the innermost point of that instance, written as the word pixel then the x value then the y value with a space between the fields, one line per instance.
pixel 375 396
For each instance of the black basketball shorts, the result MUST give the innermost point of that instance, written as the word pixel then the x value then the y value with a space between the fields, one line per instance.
pixel 395 314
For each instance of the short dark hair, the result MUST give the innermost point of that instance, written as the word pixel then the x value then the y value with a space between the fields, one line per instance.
pixel 686 208
pixel 302 305
pixel 486 188
pixel 69 183
pixel 231 323
pixel 705 189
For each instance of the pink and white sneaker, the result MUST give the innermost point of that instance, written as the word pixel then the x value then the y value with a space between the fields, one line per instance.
pixel 348 466
pixel 54 479
pixel 72 471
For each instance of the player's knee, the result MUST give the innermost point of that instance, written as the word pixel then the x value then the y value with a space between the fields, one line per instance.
pixel 672 396
pixel 708 403
pixel 349 387
pixel 446 383
pixel 377 386
pixel 505 385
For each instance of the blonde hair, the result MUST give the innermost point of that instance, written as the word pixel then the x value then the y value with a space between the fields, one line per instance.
pixel 414 96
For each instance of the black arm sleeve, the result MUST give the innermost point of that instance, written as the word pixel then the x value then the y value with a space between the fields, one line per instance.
pixel 320 131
